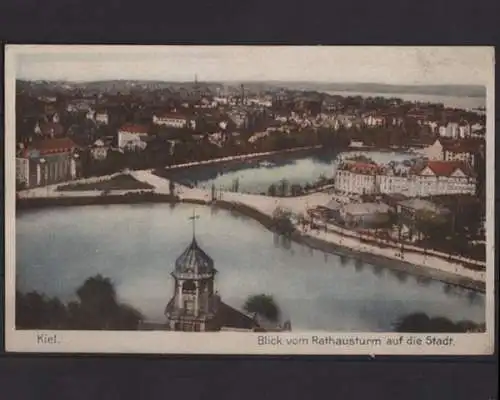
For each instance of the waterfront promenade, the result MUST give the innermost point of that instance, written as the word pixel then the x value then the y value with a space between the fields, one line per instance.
pixel 448 268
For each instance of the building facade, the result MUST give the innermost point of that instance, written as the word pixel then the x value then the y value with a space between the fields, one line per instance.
pixel 132 136
pixel 171 120
pixel 47 162
pixel 430 179
pixel 449 151
pixel 102 118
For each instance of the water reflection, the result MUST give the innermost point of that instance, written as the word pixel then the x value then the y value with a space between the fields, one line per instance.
pixel 401 276
pixel 358 264
pixel 255 176
pixel 472 296
pixel 423 280
pixel 285 241
pixel 276 240
pixel 447 288
pixel 137 248
pixel 378 270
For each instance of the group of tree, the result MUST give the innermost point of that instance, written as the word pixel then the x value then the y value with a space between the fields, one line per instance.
pixel 264 306
pixel 282 222
pixel 96 308
pixel 453 231
pixel 284 188
pixel 422 323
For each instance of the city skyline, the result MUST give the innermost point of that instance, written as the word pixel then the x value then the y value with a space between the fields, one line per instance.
pixel 321 64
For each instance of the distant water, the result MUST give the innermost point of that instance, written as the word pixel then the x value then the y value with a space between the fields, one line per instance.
pixel 461 102
pixel 256 176
pixel 136 246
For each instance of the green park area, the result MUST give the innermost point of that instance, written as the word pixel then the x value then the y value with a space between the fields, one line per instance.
pixel 118 182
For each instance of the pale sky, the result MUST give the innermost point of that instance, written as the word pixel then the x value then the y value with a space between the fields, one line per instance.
pixel 392 65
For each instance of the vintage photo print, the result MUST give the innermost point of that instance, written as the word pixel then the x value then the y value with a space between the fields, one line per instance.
pixel 249 199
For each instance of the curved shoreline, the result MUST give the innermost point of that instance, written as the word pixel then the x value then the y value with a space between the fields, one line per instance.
pixel 264 220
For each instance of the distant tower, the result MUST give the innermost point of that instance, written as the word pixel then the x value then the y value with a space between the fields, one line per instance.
pixel 242 94
pixel 194 303
pixel 196 88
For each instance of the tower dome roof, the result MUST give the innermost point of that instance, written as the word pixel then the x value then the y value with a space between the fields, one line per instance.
pixel 194 260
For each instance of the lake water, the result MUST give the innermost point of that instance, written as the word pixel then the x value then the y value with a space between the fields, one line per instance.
pixel 462 102
pixel 256 176
pixel 136 246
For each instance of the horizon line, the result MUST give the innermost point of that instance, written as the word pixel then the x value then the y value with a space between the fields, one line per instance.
pixel 245 80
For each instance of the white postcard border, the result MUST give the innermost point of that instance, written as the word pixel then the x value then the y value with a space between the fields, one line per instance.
pixel 314 343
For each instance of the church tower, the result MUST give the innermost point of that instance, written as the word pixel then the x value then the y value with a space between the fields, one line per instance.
pixel 196 88
pixel 194 303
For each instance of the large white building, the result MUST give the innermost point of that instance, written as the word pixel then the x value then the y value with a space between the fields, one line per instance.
pixel 357 178
pixel 373 121
pixel 449 151
pixel 132 136
pixel 47 162
pixel 430 179
pixel 172 120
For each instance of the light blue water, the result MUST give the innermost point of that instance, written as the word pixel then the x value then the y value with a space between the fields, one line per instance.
pixel 256 176
pixel 136 246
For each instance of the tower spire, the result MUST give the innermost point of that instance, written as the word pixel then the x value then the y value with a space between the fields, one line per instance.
pixel 193 218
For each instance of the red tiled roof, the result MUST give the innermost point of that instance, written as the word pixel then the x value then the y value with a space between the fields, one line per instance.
pixel 446 168
pixel 134 128
pixel 49 128
pixel 460 146
pixel 362 168
pixel 52 146
pixel 171 115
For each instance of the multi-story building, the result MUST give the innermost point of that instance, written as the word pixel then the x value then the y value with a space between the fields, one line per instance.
pixel 132 136
pixel 428 179
pixel 442 177
pixel 449 151
pixel 459 151
pixel 102 117
pixel 173 120
pixel 451 130
pixel 373 121
pixel 47 161
pixel 99 150
pixel 357 178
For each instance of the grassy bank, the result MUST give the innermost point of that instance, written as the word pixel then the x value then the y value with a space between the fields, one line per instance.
pixel 119 182
pixel 129 198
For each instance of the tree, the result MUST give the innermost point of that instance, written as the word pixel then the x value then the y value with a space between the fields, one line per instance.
pixel 322 179
pixel 282 221
pixel 97 308
pixel 171 187
pixel 431 225
pixel 283 187
pixel 422 323
pixel 296 189
pixel 271 191
pixel 213 191
pixel 263 305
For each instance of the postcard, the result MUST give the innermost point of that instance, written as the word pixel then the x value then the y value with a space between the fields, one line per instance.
pixel 249 199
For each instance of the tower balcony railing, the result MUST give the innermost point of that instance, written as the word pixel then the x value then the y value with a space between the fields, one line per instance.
pixel 189 314
pixel 193 275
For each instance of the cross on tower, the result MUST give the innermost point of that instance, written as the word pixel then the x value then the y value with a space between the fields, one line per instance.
pixel 194 218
